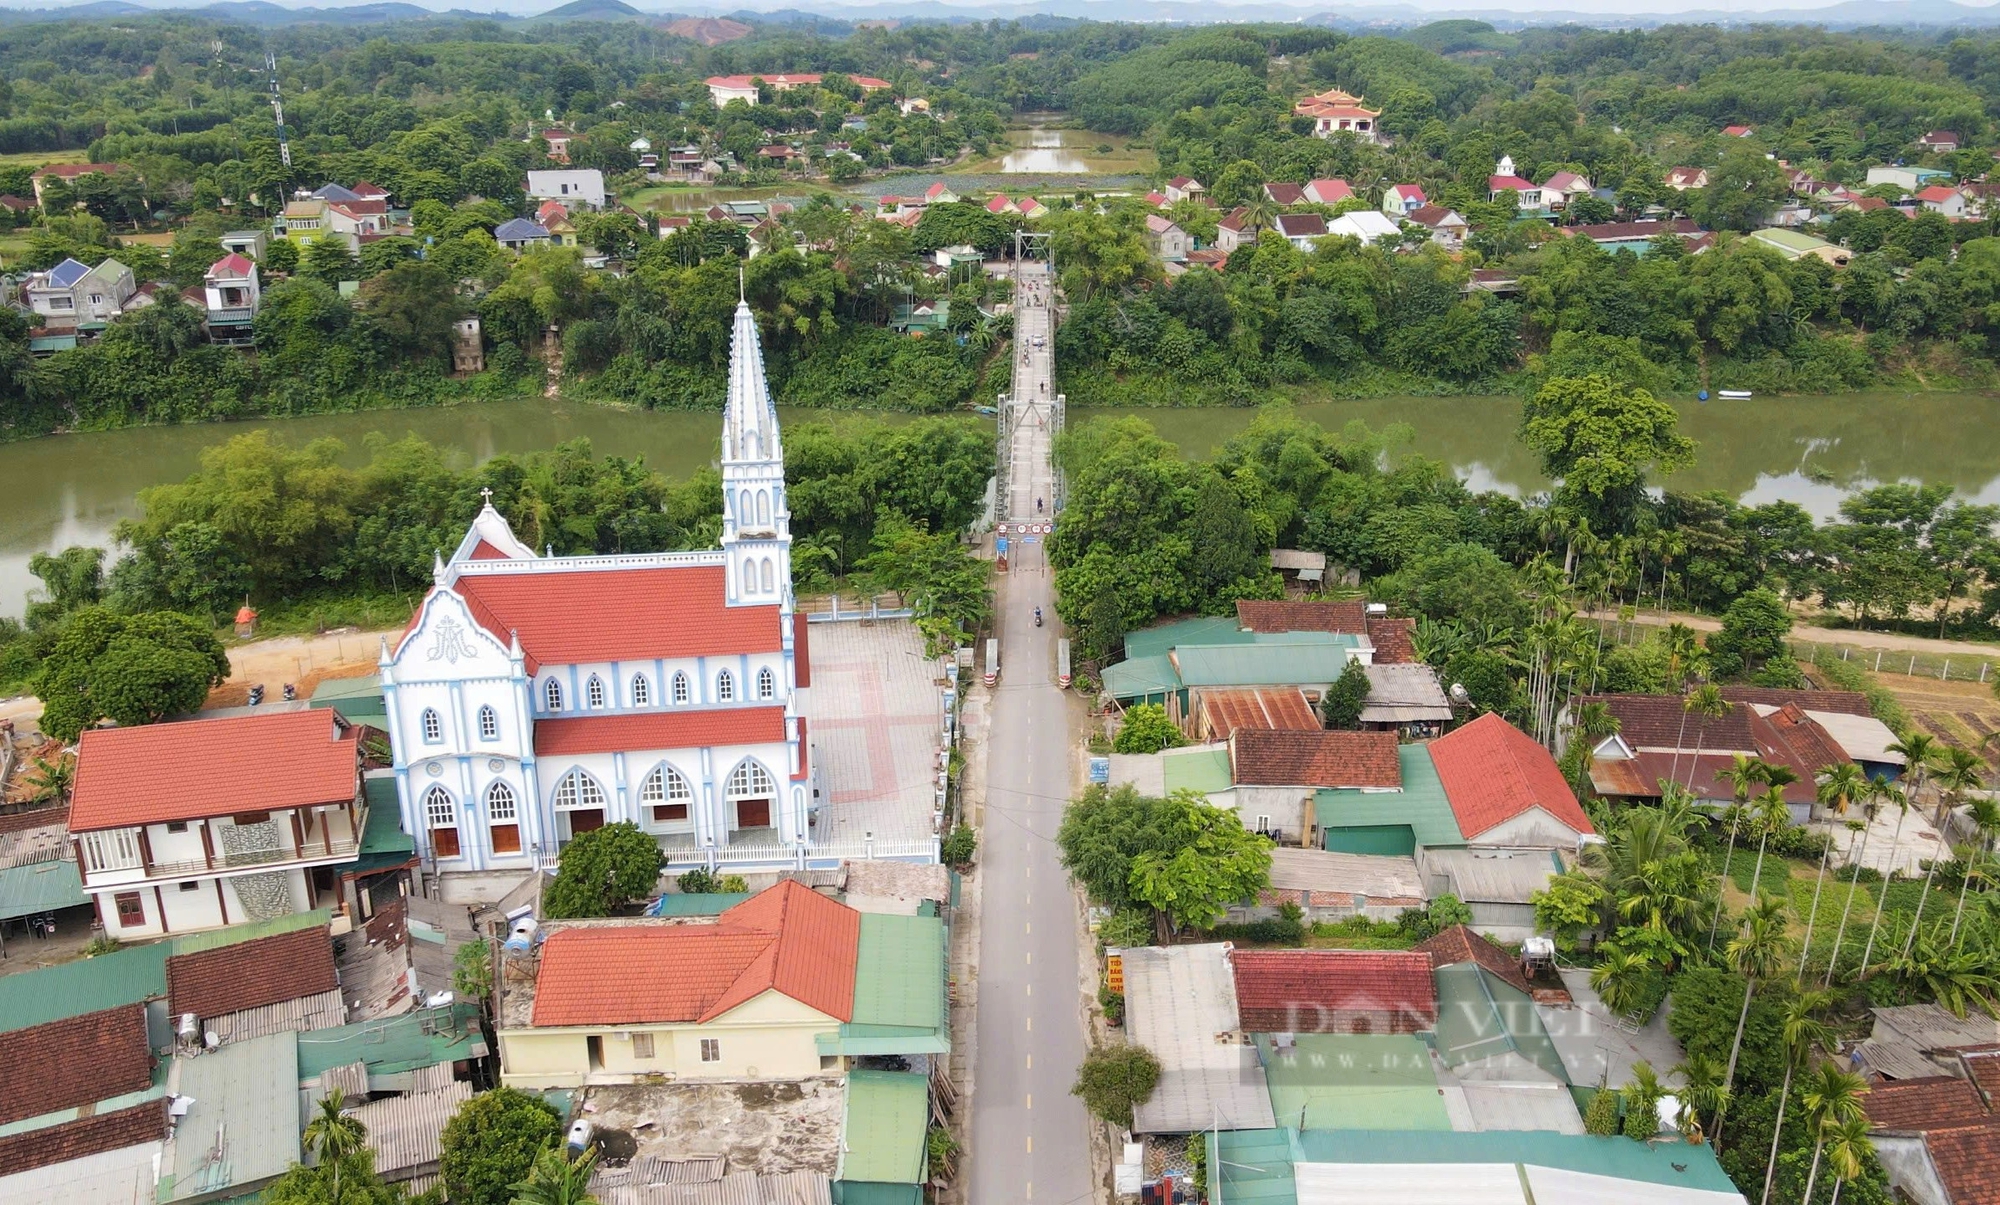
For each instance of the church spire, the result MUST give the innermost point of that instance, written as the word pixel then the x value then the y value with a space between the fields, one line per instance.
pixel 756 522
pixel 750 429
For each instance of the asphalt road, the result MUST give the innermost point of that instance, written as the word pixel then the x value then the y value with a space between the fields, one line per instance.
pixel 1030 1137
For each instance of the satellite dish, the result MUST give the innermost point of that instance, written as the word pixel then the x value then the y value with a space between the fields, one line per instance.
pixel 1459 694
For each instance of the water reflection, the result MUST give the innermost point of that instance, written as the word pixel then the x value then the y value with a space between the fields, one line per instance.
pixel 1044 154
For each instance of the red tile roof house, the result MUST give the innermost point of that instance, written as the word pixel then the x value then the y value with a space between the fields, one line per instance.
pixel 1938 1137
pixel 750 994
pixel 69 173
pixel 1276 773
pixel 206 823
pixel 1657 740
pixel 80 1088
pixel 1334 991
pixel 1505 790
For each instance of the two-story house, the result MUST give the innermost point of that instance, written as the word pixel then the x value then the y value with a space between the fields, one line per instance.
pixel 1167 240
pixel 74 295
pixel 231 294
pixel 208 823
pixel 572 187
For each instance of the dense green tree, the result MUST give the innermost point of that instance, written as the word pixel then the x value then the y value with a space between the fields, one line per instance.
pixel 1114 1080
pixel 602 869
pixel 1147 730
pixel 1600 441
pixel 131 669
pixel 1341 706
pixel 490 1145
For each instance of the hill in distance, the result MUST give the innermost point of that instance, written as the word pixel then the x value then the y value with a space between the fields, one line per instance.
pixel 708 31
pixel 592 10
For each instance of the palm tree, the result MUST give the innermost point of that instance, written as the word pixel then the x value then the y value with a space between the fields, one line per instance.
pixel 1953 978
pixel 1986 819
pixel 1838 787
pixel 1955 771
pixel 1847 1148
pixel 1620 981
pixel 1802 1033
pixel 333 1136
pixel 1768 814
pixel 1707 702
pixel 1757 952
pixel 1897 796
pixel 1742 774
pixel 1701 1092
pixel 1870 802
pixel 557 1179
pixel 1832 1098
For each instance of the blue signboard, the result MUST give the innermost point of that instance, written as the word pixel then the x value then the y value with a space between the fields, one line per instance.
pixel 1000 545
pixel 1100 770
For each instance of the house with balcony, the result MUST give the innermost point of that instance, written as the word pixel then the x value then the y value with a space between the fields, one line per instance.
pixel 230 294
pixel 207 823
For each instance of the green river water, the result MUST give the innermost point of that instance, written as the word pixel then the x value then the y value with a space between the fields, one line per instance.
pixel 72 489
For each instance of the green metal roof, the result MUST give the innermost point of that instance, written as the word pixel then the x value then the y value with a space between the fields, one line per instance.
pixel 1793 241
pixel 1204 770
pixel 1139 677
pixel 215 939
pixel 242 1129
pixel 1251 1167
pixel 858 1192
pixel 40 887
pixel 394 1045
pixel 1482 1017
pixel 899 972
pixel 1291 662
pixel 86 986
pixel 1254 1167
pixel 359 699
pixel 682 903
pixel 384 844
pixel 888 1118
pixel 1623 1158
pixel 1207 629
pixel 1359 1082
pixel 1421 803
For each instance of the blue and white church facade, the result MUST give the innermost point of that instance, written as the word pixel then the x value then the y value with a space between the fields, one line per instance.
pixel 536 697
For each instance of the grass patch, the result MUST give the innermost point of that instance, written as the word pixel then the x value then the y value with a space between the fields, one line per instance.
pixel 43 158
pixel 312 614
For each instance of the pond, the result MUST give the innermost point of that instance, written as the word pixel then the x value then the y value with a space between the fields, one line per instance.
pixel 73 489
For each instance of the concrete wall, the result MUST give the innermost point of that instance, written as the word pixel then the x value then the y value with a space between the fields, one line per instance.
pixel 193 904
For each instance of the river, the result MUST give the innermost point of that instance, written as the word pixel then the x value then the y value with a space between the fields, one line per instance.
pixel 73 489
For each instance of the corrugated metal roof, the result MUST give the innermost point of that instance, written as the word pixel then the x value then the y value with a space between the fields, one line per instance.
pixel 1136 677
pixel 888 1117
pixel 324 1010
pixel 87 985
pixel 406 1131
pixel 243 1127
pixel 1379 875
pixel 39 887
pixel 1298 659
pixel 681 903
pixel 899 973
pixel 736 1188
pixel 1404 693
pixel 1204 769
pixel 1209 629
pixel 1488 1029
pixel 1225 709
pixel 395 1045
pixel 1421 804
pixel 1676 1164
pixel 1179 1000
pixel 1354 1081
pixel 1493 876
pixel 349 1079
pixel 1860 737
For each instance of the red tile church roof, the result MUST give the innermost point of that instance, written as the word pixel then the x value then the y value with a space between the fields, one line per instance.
pixel 659 730
pixel 575 616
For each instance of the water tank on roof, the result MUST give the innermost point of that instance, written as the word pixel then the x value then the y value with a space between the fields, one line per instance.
pixel 580 1135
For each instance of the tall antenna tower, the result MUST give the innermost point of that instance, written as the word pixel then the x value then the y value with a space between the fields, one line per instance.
pixel 278 108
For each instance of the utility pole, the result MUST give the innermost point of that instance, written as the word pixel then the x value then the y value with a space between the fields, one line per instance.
pixel 278 110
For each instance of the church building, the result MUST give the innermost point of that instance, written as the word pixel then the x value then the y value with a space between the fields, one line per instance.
pixel 536 697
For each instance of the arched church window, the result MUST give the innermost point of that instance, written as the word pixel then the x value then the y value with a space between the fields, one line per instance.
pixel 552 695
pixel 767 684
pixel 433 726
pixel 642 692
pixel 763 508
pixel 489 724
pixel 725 687
pixel 593 691
pixel 681 691
pixel 770 576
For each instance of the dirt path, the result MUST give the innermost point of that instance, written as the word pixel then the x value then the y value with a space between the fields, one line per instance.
pixel 304 661
pixel 1894 641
